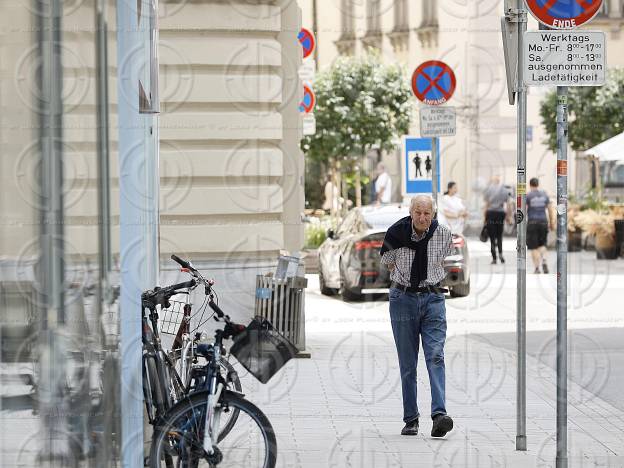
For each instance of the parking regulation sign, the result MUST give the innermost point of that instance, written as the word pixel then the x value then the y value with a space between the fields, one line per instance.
pixel 307 41
pixel 564 14
pixel 433 82
pixel 438 122
pixel 308 102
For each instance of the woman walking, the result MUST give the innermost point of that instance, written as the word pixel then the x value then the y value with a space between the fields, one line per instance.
pixel 452 212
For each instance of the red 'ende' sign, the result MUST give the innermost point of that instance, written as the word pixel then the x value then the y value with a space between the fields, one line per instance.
pixel 564 14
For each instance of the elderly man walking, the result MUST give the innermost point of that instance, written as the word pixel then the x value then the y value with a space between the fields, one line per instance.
pixel 414 250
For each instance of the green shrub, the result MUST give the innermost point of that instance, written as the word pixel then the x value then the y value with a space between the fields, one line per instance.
pixel 314 235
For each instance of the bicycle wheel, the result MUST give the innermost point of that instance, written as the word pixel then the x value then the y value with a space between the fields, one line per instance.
pixel 228 419
pixel 178 439
pixel 152 391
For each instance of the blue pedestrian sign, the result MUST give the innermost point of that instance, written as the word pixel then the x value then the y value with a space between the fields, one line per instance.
pixel 417 165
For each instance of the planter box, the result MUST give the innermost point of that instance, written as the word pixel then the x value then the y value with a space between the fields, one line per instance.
pixel 575 241
pixel 606 248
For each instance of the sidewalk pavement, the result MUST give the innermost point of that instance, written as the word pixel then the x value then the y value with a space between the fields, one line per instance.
pixel 342 408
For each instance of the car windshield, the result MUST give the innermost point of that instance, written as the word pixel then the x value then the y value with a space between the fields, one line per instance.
pixel 383 219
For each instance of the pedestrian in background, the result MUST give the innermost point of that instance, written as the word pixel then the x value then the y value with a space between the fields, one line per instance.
pixel 496 198
pixel 383 185
pixel 414 249
pixel 330 205
pixel 540 217
pixel 452 211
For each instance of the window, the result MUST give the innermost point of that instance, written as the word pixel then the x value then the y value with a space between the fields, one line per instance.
pixel 373 18
pixel 429 14
pixel 401 15
pixel 611 9
pixel 347 17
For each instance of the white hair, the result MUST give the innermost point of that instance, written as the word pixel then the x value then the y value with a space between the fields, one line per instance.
pixel 422 198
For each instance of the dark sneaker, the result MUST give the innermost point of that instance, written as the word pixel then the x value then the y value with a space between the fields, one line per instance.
pixel 442 424
pixel 411 428
pixel 545 267
pixel 536 271
pixel 493 262
pixel 502 259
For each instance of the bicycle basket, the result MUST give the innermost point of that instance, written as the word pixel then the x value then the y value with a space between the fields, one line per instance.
pixel 171 318
pixel 262 350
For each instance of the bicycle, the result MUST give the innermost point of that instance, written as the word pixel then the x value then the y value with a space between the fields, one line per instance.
pixel 191 432
pixel 161 383
pixel 166 375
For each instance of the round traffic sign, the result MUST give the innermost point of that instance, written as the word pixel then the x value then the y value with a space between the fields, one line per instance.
pixel 309 100
pixel 307 41
pixel 433 82
pixel 564 14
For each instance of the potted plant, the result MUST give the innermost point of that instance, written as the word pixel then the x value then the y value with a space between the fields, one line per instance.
pixel 601 227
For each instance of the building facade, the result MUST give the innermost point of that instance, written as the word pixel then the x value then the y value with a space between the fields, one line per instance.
pixel 231 189
pixel 467 36
pixel 230 194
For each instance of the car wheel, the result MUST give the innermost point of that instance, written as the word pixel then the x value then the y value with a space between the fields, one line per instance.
pixel 350 296
pixel 461 290
pixel 347 294
pixel 325 291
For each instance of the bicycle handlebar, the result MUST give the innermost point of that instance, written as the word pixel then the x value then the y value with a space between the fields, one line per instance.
pixel 161 295
pixel 175 287
pixel 217 309
pixel 182 263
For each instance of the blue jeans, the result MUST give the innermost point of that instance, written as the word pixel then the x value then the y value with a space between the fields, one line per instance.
pixel 414 316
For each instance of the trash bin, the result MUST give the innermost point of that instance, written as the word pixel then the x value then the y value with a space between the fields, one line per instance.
pixel 619 236
pixel 281 302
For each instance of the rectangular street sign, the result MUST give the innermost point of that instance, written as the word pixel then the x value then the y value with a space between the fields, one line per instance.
pixel 564 58
pixel 437 121
pixel 416 170
pixel 309 124
pixel 307 70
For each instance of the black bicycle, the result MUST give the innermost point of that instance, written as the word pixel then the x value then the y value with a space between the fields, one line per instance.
pixel 191 434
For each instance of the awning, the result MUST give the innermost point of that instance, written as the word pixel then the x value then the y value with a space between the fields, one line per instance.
pixel 609 150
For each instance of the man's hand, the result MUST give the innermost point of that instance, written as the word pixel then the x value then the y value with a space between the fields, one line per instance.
pixel 391 266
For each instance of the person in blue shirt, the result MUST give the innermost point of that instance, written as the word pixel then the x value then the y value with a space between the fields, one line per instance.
pixel 540 218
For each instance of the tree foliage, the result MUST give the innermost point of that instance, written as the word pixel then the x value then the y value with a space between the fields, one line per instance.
pixel 360 103
pixel 595 113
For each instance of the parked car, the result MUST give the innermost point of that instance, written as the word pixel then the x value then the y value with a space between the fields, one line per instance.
pixel 349 260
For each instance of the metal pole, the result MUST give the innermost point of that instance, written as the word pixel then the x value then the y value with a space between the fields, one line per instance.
pixel 107 455
pixel 137 96
pixel 434 172
pixel 52 401
pixel 521 442
pixel 103 174
pixel 316 33
pixel 562 277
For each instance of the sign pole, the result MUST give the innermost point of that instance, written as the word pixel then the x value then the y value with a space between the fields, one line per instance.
pixel 521 441
pixel 562 277
pixel 434 172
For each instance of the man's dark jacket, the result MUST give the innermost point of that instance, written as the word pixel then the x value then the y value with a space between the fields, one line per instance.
pixel 400 235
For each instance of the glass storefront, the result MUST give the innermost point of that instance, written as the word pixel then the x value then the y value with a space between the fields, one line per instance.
pixel 58 314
